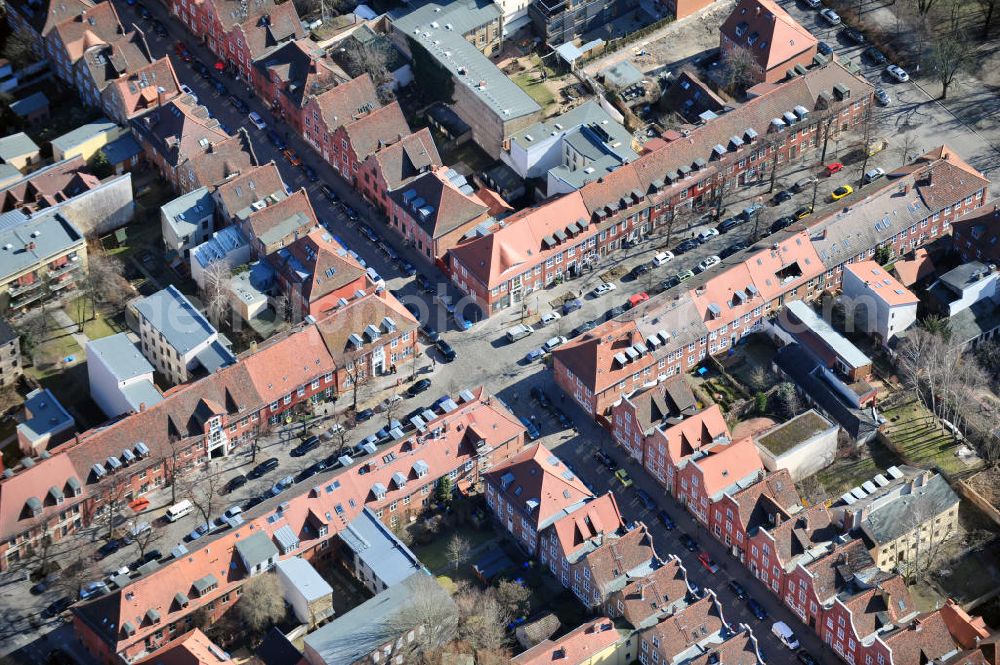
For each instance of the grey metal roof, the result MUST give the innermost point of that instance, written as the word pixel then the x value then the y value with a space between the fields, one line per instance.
pixel 354 635
pixel 221 244
pixel 30 104
pixel 121 149
pixel 905 512
pixel 304 578
pixel 172 314
pixel 385 555
pixel 152 615
pixel 621 74
pixel 16 145
pixel 185 212
pixel 122 358
pixel 256 549
pixel 205 583
pixel 965 275
pixel 47 415
pixel 181 599
pixel 26 242
pixel 842 346
pixel 142 393
pixel 214 357
pixel 83 133
pixel 286 538
pixel 467 65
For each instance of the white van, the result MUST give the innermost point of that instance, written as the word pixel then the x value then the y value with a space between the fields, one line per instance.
pixel 519 332
pixel 785 634
pixel 179 510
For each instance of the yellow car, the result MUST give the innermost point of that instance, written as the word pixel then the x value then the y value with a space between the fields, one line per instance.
pixel 803 212
pixel 841 192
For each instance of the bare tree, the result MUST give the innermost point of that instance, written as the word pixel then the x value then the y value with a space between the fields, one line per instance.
pixel 483 620
pixel 513 597
pixel 359 374
pixel 203 492
pixel 949 55
pixel 907 147
pixel 868 129
pixel 105 280
pixel 145 541
pixel 927 544
pixel 457 551
pixel 786 401
pixel 738 68
pixel 112 502
pixel 33 330
pixel 261 604
pixel 989 8
pixel 391 407
pixel 216 291
pixel 19 49
pixel 373 58
pixel 430 622
pixel 9 399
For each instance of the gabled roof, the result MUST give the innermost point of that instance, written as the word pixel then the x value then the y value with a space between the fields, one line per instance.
pixel 921 640
pixel 92 26
pixel 347 102
pixel 596 357
pixel 179 130
pixel 44 16
pixel 798 534
pixel 316 263
pixel 539 485
pixel 338 325
pixel 701 622
pixel 834 571
pixel 270 27
pixel 698 432
pixel 111 61
pixel 147 86
pixel 301 68
pixel 620 558
pixel 881 284
pixel 406 159
pixel 282 222
pixel 758 504
pixel 978 236
pixel 233 12
pixel 767 32
pixel 578 646
pixel 253 184
pixel 740 649
pixel 192 648
pixel 48 186
pixel 223 160
pixel 587 525
pixel 724 466
pixel 434 202
pixel 376 129
pixel 277 368
pixel 35 481
pixel 645 600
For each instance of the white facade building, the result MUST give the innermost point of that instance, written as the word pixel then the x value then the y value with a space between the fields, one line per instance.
pixel 881 305
pixel 121 379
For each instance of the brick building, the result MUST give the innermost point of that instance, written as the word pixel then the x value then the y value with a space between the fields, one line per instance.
pixel 289 74
pixel 776 42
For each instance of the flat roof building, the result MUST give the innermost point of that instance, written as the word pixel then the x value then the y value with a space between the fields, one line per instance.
pixel 381 560
pixel 121 379
pixel 46 422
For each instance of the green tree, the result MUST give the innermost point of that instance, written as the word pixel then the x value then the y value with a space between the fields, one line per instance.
pixel 18 49
pixel 883 254
pixel 100 166
pixel 435 80
pixel 443 492
pixel 760 403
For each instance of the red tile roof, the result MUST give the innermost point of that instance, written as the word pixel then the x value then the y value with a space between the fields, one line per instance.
pixel 964 628
pixel 91 27
pixel 723 466
pixel 881 284
pixel 406 159
pixel 48 186
pixel 337 326
pixel 146 87
pixel 281 24
pixel 767 31
pixel 587 524
pixel 699 621
pixel 740 649
pixel 693 434
pixel 659 593
pixel 289 218
pixel 920 641
pixel 536 475
pixel 278 368
pixel 912 270
pixel 577 647
pixel 253 184
pixel 801 532
pixel 592 357
pixel 192 648
pixel 329 503
pixel 36 481
pixel 774 494
pixel 619 557
pixel 319 264
pixel 222 160
pixel 347 102
pixel 373 131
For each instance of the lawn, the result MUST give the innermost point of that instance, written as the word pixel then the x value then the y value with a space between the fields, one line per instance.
pixel 94 327
pixel 846 472
pixel 434 555
pixel 48 356
pixel 528 81
pixel 921 439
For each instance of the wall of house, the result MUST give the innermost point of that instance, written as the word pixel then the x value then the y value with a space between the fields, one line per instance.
pixel 815 453
pixel 10 362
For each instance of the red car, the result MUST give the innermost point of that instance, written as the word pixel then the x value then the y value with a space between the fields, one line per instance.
pixel 638 298
pixel 835 167
pixel 706 561
pixel 181 49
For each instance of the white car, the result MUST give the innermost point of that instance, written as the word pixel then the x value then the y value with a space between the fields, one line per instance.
pixel 186 89
pixel 550 317
pixel 554 342
pixel 830 16
pixel 812 3
pixel 898 73
pixel 662 257
pixel 602 289
pixel 233 511
pixel 709 262
pixel 257 121
pixel 874 174
pixel 707 234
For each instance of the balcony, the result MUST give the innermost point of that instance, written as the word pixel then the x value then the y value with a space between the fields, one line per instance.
pixel 68 267
pixel 27 299
pixel 18 290
pixel 59 285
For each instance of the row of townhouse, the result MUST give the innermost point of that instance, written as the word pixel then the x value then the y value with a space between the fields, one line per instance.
pixel 690 169
pixel 109 64
pixel 464 438
pixel 108 466
pixel 673 332
pixel 612 567
pixel 829 579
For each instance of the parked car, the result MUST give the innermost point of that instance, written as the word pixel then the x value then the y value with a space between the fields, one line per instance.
pixel 830 16
pixel 688 542
pixel 446 350
pixel 550 317
pixel 281 485
pixel 803 183
pixel 606 460
pixel 57 607
pixel 553 343
pixel 264 467
pixel 637 299
pixel 257 121
pixel 418 387
pixel 784 633
pixel 639 270
pixel 781 223
pixel 707 235
pixel 853 35
pixel 747 213
pixel 737 589
pixel 312 443
pixel 732 249
pixel 151 555
pixel 782 196
pixel 532 429
pixel 571 306
pixel 235 483
pixel 564 420
pixel 238 104
pixel 841 192
pixel 603 288
pixel 159 28
pixel 310 173
pixel 292 156
pixel 276 140
pixel 824 48
pixel 662 258
pixel 874 56
pixel 803 212
pixel 813 4
pixel 646 500
pixel 709 262
pixel 685 275
pixel 706 560
pixel 898 73
pixel 666 520
pixel 685 246
pixel 144 13
pixel 757 609
pixel 833 167
pixel 109 548
pixel 669 283
pixel 729 224
pixel 874 174
pixel 584 327
pixel 540 396
pixel 806 658
pixel 534 354
pixel 614 312
pixel 623 477
pixel 199 531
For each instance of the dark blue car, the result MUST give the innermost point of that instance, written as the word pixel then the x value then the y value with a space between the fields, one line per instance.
pixel 533 432
pixel 757 609
pixel 668 522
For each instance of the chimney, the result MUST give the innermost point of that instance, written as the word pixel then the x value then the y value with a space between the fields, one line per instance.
pixel 777 519
pixel 313 66
pixel 906 188
pixel 142 407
